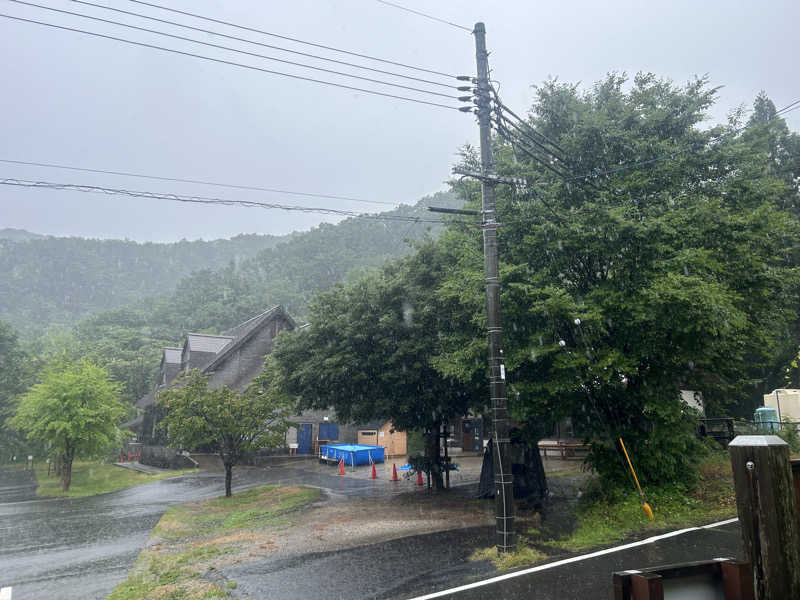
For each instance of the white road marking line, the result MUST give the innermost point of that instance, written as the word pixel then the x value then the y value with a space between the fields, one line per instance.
pixel 572 559
pixel 5 593
pixel 720 523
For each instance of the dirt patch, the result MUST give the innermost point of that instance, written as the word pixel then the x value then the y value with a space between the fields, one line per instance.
pixel 329 525
pixel 194 542
pixel 245 536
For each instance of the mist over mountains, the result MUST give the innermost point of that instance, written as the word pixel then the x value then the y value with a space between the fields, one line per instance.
pixel 49 281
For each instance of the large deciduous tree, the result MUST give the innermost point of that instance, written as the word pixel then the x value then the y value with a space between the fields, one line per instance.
pixel 369 348
pixel 14 376
pixel 229 421
pixel 75 409
pixel 673 267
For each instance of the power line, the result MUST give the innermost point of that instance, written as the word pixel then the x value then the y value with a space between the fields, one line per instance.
pixel 501 118
pixel 525 133
pixel 292 39
pixel 427 16
pixel 503 108
pixel 238 51
pixel 193 181
pixel 93 189
pixel 227 62
pixel 515 141
pixel 520 140
pixel 788 107
pixel 786 111
pixel 263 45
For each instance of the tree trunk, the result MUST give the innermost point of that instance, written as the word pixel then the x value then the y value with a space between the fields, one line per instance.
pixel 228 477
pixel 66 470
pixel 433 455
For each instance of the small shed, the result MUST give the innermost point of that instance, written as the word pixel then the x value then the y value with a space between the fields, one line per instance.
pixel 393 441
pixel 786 403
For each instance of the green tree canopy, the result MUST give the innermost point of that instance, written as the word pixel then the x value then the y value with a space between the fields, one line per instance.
pixel 368 352
pixel 75 409
pixel 673 267
pixel 230 422
pixel 14 378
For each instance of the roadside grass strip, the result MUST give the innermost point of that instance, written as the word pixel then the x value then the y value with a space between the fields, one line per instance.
pixel 193 541
pixel 92 478
pixel 602 521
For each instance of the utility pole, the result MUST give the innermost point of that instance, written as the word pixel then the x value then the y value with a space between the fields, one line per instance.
pixel 503 482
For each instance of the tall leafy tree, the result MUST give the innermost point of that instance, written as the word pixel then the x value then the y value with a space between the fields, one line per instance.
pixel 131 354
pixel 228 421
pixel 14 378
pixel 779 149
pixel 369 348
pixel 621 289
pixel 75 409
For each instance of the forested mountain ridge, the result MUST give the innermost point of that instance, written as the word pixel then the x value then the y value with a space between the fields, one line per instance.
pixel 48 280
pixel 19 235
pixel 128 338
pixel 289 273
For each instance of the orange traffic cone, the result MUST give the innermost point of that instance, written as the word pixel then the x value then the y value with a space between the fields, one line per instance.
pixel 419 478
pixel 374 474
pixel 394 472
pixel 341 466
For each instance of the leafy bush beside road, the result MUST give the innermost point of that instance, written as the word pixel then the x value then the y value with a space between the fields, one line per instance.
pixel 607 518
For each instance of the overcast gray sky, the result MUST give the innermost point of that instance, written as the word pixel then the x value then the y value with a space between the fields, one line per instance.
pixel 82 101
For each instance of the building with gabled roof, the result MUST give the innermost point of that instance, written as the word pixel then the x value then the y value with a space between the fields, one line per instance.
pixel 233 359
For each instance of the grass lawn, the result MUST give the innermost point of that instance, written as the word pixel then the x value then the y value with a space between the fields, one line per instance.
pixel 90 478
pixel 602 522
pixel 195 539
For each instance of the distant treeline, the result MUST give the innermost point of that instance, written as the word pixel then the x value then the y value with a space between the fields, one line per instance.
pixel 48 281
pixel 124 300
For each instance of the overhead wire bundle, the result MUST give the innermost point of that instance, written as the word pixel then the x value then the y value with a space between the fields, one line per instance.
pixel 423 88
pixel 235 186
pixel 94 189
pixel 377 76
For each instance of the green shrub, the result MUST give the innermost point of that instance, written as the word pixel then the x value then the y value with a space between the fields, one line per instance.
pixel 788 433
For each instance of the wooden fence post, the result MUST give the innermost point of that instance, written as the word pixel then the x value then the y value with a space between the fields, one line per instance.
pixel 767 514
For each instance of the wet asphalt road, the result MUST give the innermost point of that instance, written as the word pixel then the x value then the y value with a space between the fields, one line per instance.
pixel 427 564
pixel 393 570
pixel 81 548
pixel 591 579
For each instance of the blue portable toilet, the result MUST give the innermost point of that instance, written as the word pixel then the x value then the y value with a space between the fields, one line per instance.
pixel 766 418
